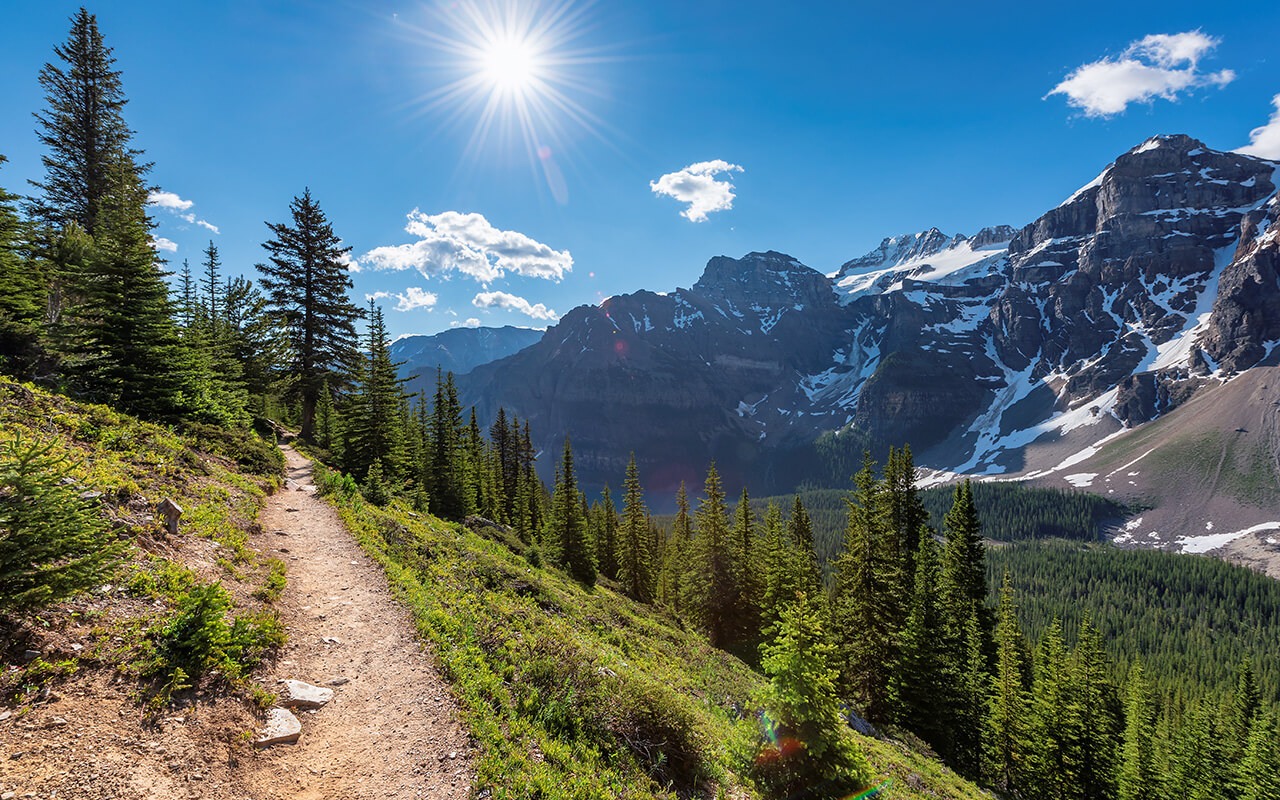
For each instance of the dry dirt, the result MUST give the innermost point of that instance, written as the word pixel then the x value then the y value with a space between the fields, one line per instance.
pixel 391 730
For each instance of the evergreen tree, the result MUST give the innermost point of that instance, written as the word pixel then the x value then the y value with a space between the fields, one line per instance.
pixel 1198 770
pixel 188 303
pixel 964 572
pixel 307 285
pixel 1054 731
pixel 806 749
pixel 800 530
pixel 920 682
pixel 568 525
pixel 211 283
pixel 1258 775
pixel 749 578
pixel 711 585
pixel 1008 703
pixel 22 291
pixel 84 131
pixel 676 552
pixel 1139 773
pixel 905 521
pixel 1098 714
pixel 635 561
pixel 966 737
pixel 781 563
pixel 862 601
pixel 374 433
pixel 1246 704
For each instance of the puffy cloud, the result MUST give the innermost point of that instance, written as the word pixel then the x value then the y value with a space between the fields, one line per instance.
pixel 161 243
pixel 470 322
pixel 696 185
pixel 1161 65
pixel 413 297
pixel 469 244
pixel 174 204
pixel 511 302
pixel 1264 141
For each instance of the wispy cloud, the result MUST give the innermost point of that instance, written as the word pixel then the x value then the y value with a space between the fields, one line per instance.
pixel 413 297
pixel 175 205
pixel 1264 141
pixel 161 243
pixel 511 302
pixel 1161 65
pixel 698 186
pixel 469 244
pixel 469 322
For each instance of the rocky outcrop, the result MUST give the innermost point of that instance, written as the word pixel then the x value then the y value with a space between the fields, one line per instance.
pixel 1158 275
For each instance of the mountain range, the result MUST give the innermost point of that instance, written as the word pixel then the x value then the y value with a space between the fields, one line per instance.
pixel 1027 353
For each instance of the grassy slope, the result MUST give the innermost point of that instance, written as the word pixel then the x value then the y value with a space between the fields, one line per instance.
pixel 133 466
pixel 582 693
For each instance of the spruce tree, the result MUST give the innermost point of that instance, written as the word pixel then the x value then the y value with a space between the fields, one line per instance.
pixel 676 553
pixel 22 291
pixel 374 433
pixel 1139 777
pixel 84 131
pixel 919 684
pixel 861 604
pixel 608 544
pixel 749 571
pixel 807 749
pixel 307 285
pixel 1008 703
pixel 1246 703
pixel 800 530
pixel 711 583
pixel 568 525
pixel 781 562
pixel 635 561
pixel 1054 731
pixel 964 571
pixel 1098 712
pixel 1257 777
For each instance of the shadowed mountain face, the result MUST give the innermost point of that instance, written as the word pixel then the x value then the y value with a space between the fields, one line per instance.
pixel 459 350
pixel 1153 280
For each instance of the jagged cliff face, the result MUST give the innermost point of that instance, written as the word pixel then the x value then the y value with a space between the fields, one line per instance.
pixel 1109 310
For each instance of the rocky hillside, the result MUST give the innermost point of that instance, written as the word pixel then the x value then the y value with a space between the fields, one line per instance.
pixel 1154 280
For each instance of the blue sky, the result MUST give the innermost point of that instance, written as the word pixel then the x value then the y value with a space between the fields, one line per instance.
pixel 837 124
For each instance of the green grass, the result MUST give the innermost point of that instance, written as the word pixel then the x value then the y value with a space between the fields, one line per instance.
pixel 573 692
pixel 128 467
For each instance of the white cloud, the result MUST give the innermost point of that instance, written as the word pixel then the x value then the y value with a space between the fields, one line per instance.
pixel 1264 141
pixel 174 204
pixel 511 302
pixel 470 322
pixel 414 297
pixel 467 243
pixel 1161 65
pixel 161 243
pixel 696 185
pixel 168 200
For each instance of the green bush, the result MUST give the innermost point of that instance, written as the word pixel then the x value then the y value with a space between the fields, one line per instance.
pixel 52 544
pixel 199 639
pixel 241 445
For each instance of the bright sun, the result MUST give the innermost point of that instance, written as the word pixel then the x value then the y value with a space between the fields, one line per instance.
pixel 510 65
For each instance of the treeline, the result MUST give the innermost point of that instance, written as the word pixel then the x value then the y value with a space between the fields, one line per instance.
pixel 1190 620
pixel 920 641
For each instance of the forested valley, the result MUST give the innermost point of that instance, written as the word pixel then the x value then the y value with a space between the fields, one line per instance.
pixel 1044 665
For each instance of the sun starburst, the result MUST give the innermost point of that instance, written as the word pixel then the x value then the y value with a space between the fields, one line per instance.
pixel 518 73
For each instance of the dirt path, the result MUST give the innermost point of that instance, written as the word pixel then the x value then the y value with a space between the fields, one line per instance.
pixel 392 729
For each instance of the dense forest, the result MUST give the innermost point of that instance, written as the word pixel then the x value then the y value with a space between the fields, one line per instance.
pixel 1144 676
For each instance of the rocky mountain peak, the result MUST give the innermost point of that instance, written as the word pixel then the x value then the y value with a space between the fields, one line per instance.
pixel 762 282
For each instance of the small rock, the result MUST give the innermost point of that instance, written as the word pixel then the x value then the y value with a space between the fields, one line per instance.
pixel 281 533
pixel 56 722
pixel 334 682
pixel 30 655
pixel 90 495
pixel 282 728
pixel 8 795
pixel 331 640
pixel 77 647
pixel 4 715
pixel 291 509
pixel 297 694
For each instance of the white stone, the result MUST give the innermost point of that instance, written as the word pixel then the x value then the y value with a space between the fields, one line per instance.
pixel 297 694
pixel 282 728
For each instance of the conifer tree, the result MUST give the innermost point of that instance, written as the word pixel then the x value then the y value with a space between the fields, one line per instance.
pixel 1054 729
pixel 608 543
pixel 1139 773
pixel 635 560
pixel 806 749
pixel 1198 770
pixel 1258 775
pixel 676 552
pixel 862 616
pixel 22 291
pixel 905 520
pixel 568 525
pixel 1008 703
pixel 964 571
pixel 711 585
pixel 1098 712
pixel 307 285
pixel 965 739
pixel 211 283
pixel 781 563
pixel 919 684
pixel 374 435
pixel 749 579
pixel 84 131
pixel 800 530
pixel 188 302
pixel 1246 703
